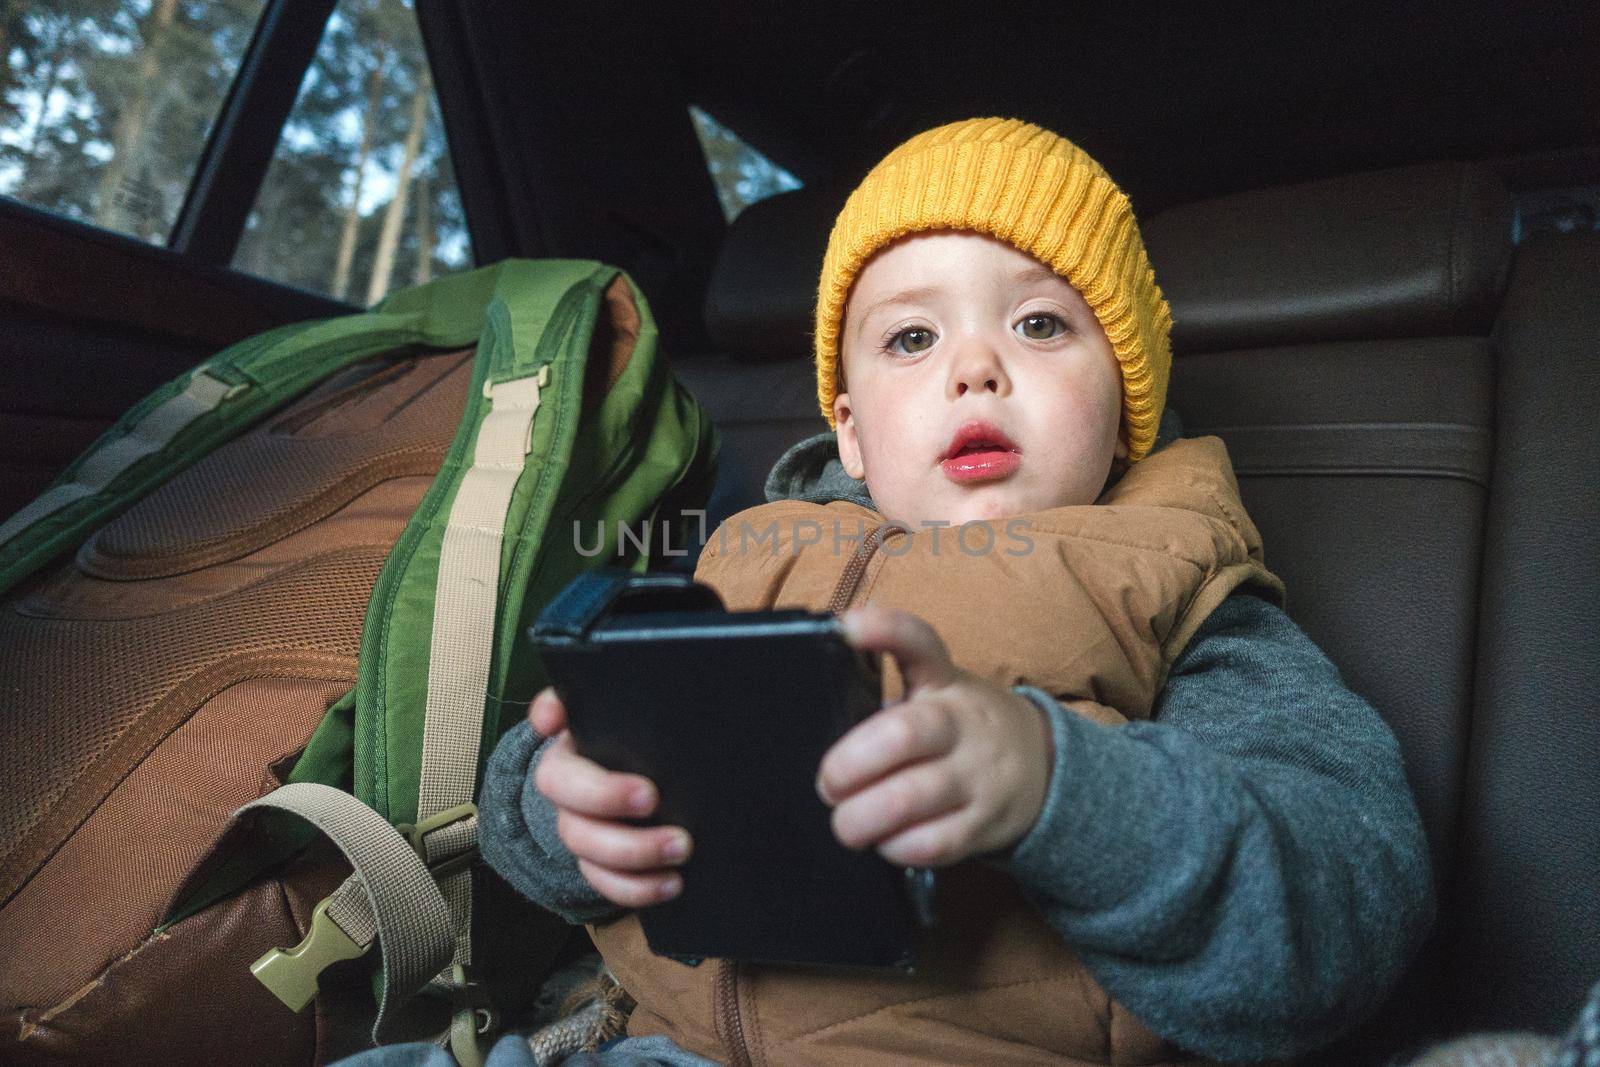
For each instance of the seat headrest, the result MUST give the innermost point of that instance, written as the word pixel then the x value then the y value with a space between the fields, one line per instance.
pixel 763 290
pixel 1413 251
pixel 1408 252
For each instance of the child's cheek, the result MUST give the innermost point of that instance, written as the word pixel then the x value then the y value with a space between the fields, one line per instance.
pixel 891 437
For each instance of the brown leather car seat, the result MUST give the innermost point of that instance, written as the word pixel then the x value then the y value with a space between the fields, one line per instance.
pixel 1336 335
pixel 1525 912
pixel 1342 338
pixel 1402 423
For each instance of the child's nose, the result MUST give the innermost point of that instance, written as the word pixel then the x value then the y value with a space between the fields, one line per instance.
pixel 977 367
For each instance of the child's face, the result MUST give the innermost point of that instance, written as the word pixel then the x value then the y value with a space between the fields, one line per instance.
pixel 951 338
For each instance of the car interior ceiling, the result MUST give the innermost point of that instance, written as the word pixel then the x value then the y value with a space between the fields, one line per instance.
pixel 1329 194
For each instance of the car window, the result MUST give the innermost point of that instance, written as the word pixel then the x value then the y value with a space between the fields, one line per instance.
pixel 741 174
pixel 1569 210
pixel 360 199
pixel 105 105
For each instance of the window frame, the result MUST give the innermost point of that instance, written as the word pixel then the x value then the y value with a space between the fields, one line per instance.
pixel 239 147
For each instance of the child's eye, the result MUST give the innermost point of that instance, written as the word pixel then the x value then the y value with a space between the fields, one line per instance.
pixel 1041 327
pixel 910 341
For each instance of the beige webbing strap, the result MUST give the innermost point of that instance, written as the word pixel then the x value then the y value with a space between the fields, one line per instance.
pixel 391 898
pixel 464 622
pixel 144 438
pixel 351 908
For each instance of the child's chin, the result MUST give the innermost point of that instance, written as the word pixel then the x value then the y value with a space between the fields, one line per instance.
pixel 1003 500
pixel 987 503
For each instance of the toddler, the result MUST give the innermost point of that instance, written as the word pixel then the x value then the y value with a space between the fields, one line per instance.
pixel 1167 830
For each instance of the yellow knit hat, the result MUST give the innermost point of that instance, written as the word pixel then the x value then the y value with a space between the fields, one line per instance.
pixel 1032 189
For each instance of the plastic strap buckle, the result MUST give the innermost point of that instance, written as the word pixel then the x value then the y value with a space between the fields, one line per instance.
pixel 291 974
pixel 453 860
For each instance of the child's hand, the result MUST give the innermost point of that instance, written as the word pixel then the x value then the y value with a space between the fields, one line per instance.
pixel 628 865
pixel 957 768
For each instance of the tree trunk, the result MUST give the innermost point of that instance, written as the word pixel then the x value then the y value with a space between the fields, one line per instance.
pixel 259 251
pixel 424 273
pixel 352 216
pixel 5 34
pixel 7 13
pixel 395 213
pixel 129 129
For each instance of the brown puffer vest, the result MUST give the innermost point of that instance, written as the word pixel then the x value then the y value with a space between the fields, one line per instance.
pixel 1091 604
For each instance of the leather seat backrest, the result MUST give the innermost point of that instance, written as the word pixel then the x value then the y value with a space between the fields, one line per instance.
pixel 1524 917
pixel 1402 423
pixel 759 385
pixel 1335 335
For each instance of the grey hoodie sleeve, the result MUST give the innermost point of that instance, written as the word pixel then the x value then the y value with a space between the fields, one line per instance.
pixel 1247 873
pixel 517 833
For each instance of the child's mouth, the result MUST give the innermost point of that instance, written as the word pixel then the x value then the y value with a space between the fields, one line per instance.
pixel 984 464
pixel 979 453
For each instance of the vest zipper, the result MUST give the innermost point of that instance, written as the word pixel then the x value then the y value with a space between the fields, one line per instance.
pixel 728 1016
pixel 730 1022
pixel 856 568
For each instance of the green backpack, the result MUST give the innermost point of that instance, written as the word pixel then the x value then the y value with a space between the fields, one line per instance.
pixel 548 444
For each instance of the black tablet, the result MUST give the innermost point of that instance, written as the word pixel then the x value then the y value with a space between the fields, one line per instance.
pixel 730 713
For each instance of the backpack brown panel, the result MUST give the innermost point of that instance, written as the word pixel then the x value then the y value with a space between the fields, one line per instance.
pixel 186 996
pixel 97 672
pixel 323 452
pixel 375 518
pixel 107 886
pixel 93 697
pixel 140 712
pixel 616 335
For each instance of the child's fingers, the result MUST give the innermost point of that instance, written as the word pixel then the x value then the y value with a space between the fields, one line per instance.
pixel 904 799
pixel 899 734
pixel 572 782
pixel 632 890
pixel 547 714
pixel 915 646
pixel 936 842
pixel 622 847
